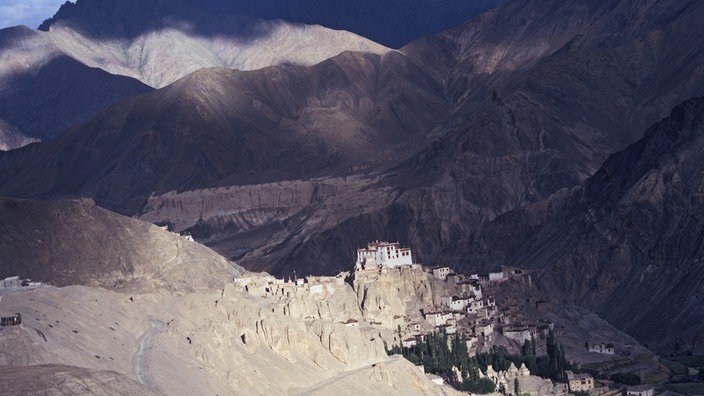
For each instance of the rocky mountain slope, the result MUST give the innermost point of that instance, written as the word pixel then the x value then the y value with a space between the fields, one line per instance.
pixel 169 48
pixel 57 79
pixel 627 243
pixel 496 114
pixel 44 91
pixel 70 243
pixel 87 340
pixel 277 167
pixel 225 127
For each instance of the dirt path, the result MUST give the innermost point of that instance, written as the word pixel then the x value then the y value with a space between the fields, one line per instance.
pixel 338 377
pixel 141 360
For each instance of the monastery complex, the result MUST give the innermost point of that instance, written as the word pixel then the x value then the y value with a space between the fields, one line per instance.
pixel 400 298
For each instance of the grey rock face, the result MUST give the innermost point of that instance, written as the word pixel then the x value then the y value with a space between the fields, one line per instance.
pixel 628 243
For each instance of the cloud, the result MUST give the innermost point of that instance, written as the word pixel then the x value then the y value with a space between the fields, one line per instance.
pixel 27 12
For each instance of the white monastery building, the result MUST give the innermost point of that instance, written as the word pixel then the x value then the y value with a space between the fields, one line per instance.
pixel 383 254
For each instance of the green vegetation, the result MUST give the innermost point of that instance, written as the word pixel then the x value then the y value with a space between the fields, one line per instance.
pixel 678 371
pixel 689 361
pixel 438 357
pixel 440 352
pixel 630 379
pixel 675 367
pixel 552 365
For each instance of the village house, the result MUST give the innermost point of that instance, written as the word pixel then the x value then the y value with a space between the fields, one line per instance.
pixel 12 281
pixel 458 315
pixel 12 320
pixel 441 272
pixel 484 328
pixel 438 318
pixel 606 349
pixel 450 328
pixel 518 274
pixel 474 306
pixel 497 277
pixel 456 303
pixel 517 333
pixel 379 255
pixel 316 289
pixel 579 382
pixel 409 342
pixel 242 280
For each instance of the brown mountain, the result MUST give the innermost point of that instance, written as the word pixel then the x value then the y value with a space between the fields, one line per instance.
pixel 77 243
pixel 628 243
pixel 439 138
pixel 44 91
pixel 223 127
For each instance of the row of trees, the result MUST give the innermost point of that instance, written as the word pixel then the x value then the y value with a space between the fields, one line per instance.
pixel 440 352
pixel 552 365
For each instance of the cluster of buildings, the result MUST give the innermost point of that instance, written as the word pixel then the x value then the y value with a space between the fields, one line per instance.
pixel 460 304
pixel 266 286
pixel 463 305
pixel 466 308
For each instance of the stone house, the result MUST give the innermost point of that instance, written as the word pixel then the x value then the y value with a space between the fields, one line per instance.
pixel 607 349
pixel 517 333
pixel 441 272
pixel 484 328
pixel 12 281
pixel 409 342
pixel 438 318
pixel 579 382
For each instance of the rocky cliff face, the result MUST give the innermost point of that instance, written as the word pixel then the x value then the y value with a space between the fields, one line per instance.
pixel 226 341
pixel 628 238
pixel 386 296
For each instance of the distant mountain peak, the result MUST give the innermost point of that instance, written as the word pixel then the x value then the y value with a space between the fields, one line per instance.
pixel 392 23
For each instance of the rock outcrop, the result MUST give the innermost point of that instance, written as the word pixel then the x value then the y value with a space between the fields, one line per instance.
pixel 392 295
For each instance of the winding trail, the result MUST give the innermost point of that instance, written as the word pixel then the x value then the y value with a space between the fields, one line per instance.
pixel 321 385
pixel 141 359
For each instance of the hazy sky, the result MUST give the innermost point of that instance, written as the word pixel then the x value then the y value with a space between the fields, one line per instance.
pixel 27 12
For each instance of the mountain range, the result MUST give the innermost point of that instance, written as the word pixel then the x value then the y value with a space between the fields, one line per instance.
pixel 526 136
